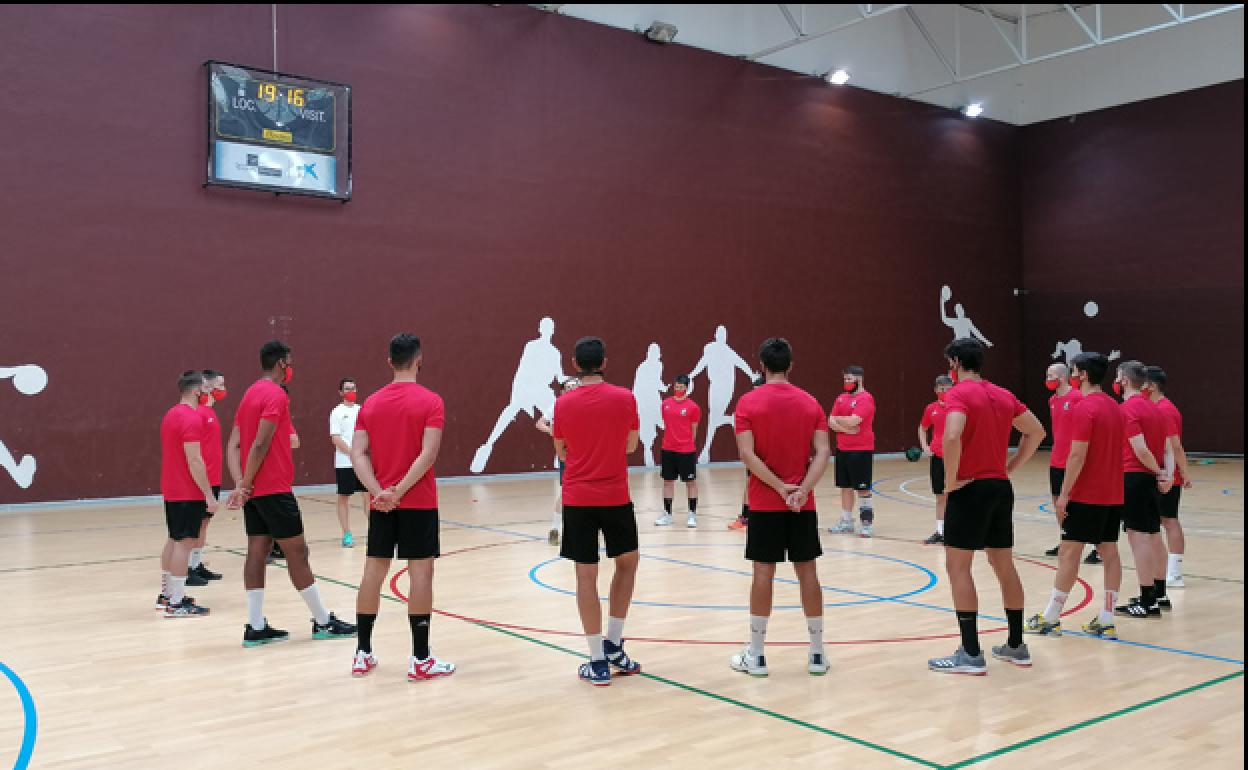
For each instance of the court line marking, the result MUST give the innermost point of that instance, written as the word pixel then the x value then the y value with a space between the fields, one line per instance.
pixel 29 713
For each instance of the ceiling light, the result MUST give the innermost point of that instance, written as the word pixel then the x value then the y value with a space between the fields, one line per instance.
pixel 973 110
pixel 838 78
pixel 661 32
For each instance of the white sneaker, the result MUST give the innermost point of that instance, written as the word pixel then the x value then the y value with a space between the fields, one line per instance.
pixel 866 530
pixel 663 520
pixel 1175 581
pixel 692 521
pixel 364 663
pixel 818 664
pixel 429 668
pixel 842 528
pixel 747 663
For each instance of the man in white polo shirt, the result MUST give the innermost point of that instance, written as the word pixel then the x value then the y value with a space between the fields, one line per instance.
pixel 341 430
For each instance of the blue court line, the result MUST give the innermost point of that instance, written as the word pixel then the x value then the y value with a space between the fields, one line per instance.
pixel 30 715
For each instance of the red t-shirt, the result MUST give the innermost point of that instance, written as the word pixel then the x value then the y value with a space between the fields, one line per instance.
pixel 934 415
pixel 1059 409
pixel 990 411
pixel 861 404
pixel 181 425
pixel 1143 418
pixel 1174 427
pixel 679 417
pixel 265 400
pixel 211 445
pixel 783 419
pixel 395 419
pixel 594 421
pixel 1098 421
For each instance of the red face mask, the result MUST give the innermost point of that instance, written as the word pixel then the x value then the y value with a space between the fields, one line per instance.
pixel 1117 388
pixel 940 397
pixel 350 396
pixel 1075 380
pixel 1052 384
pixel 850 387
pixel 289 374
pixel 953 375
pixel 218 394
pixel 203 399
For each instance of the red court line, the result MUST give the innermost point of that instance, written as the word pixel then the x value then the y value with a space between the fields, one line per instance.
pixel 394 588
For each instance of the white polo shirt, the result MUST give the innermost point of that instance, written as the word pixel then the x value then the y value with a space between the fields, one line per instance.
pixel 342 424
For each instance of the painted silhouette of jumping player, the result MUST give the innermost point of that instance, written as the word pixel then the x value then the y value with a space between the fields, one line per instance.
pixel 29 380
pixel 961 325
pixel 720 363
pixel 1071 348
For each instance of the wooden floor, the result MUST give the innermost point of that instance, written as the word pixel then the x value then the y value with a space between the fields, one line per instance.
pixel 117 686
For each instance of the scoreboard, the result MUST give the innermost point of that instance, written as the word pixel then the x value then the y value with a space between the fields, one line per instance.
pixel 278 132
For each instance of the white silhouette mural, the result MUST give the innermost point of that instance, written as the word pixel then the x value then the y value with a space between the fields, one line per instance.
pixel 648 389
pixel 1070 348
pixel 540 365
pixel 961 325
pixel 29 380
pixel 720 363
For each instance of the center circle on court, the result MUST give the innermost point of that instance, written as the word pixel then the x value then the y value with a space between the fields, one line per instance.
pixel 862 597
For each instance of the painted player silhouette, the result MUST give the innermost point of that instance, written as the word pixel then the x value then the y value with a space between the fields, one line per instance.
pixel 961 325
pixel 28 379
pixel 1071 348
pixel 647 387
pixel 720 363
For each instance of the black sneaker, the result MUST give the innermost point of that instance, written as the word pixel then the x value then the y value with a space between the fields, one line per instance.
pixel 187 608
pixel 934 539
pixel 1092 558
pixel 333 629
pixel 254 638
pixel 1163 602
pixel 276 553
pixel 205 573
pixel 193 579
pixel 1053 551
pixel 1134 609
pixel 162 601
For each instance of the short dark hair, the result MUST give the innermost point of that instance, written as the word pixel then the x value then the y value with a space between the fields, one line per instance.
pixel 1135 372
pixel 404 348
pixel 344 381
pixel 1157 376
pixel 943 380
pixel 590 353
pixel 271 352
pixel 682 379
pixel 212 374
pixel 776 354
pixel 1093 365
pixel 968 352
pixel 190 380
pixel 857 371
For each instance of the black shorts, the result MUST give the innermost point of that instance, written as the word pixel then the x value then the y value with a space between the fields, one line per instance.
pixel 216 492
pixel 409 533
pixel 1141 503
pixel 1056 477
pixel 274 515
pixel 1091 524
pixel 348 482
pixel 1170 503
pixel 853 469
pixel 936 472
pixel 981 515
pixel 183 517
pixel 582 523
pixel 774 536
pixel 678 464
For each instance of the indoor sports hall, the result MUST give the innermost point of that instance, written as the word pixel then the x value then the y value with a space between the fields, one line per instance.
pixel 493 240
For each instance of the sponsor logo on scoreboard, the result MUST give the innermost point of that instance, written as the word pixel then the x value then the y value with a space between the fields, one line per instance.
pixel 274 167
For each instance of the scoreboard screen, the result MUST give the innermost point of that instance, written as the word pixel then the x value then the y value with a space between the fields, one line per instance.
pixel 278 132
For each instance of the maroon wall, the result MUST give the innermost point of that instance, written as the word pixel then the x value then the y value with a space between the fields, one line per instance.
pixel 509 164
pixel 1141 209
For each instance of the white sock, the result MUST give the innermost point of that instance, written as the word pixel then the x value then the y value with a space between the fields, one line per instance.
pixel 177 589
pixel 556 521
pixel 312 597
pixel 1054 611
pixel 1174 565
pixel 1106 618
pixel 814 626
pixel 164 583
pixel 940 526
pixel 255 608
pixel 847 517
pixel 758 632
pixel 615 630
pixel 197 558
pixel 595 647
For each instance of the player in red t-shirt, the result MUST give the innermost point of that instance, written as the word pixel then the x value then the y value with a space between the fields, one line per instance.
pixel 259 455
pixel 213 391
pixel 980 512
pixel 1182 480
pixel 853 420
pixel 595 429
pixel 679 454
pixel 1065 395
pixel 397 436
pixel 934 420
pixel 545 425
pixel 1148 473
pixel 1089 502
pixel 742 520
pixel 783 440
pixel 188 495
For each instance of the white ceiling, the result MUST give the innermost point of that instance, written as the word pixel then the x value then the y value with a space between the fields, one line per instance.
pixel 939 53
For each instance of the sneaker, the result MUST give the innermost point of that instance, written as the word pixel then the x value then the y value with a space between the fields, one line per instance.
pixel 1092 558
pixel 552 537
pixel 934 539
pixel 842 528
pixel 348 541
pixel 817 664
pixel 276 553
pixel 737 523
pixel 1036 624
pixel 205 573
pixel 1163 602
pixel 1134 609
pixel 1095 628
pixel 663 520
pixel 333 629
pixel 429 668
pixel 1175 581
pixel 187 608
pixel 161 601
pixel 254 638
pixel 194 580
pixel 960 663
pixel 621 664
pixel 692 521
pixel 1053 551
pixel 748 664
pixel 866 530
pixel 596 672
pixel 1019 656
pixel 363 664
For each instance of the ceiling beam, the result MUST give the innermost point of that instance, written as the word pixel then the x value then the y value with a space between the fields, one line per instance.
pixel 874 12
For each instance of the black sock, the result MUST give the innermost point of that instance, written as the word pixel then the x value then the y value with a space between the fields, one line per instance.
pixel 1015 619
pixel 1159 589
pixel 745 510
pixel 667 504
pixel 420 635
pixel 364 625
pixel 693 505
pixel 968 625
pixel 1146 596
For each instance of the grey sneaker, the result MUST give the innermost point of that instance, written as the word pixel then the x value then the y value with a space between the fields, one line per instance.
pixel 960 663
pixel 663 520
pixel 842 528
pixel 866 530
pixel 692 521
pixel 1019 656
